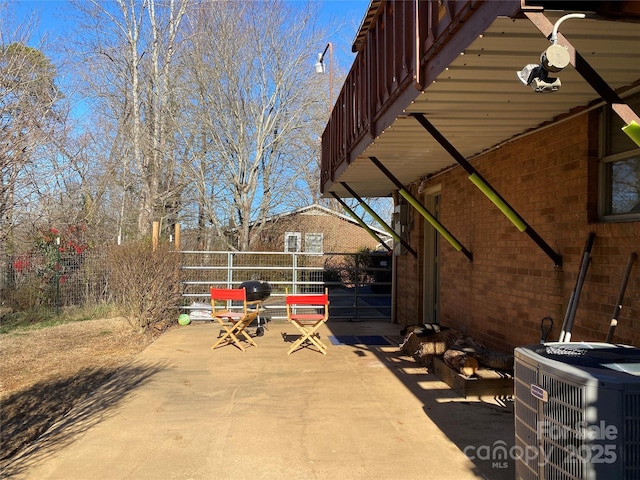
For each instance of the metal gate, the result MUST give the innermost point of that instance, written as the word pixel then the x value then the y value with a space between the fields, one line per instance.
pixel 359 284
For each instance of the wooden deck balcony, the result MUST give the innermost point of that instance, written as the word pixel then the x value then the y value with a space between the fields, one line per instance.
pixel 397 42
pixel 409 60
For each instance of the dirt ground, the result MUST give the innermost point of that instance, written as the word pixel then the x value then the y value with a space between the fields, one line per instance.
pixel 45 372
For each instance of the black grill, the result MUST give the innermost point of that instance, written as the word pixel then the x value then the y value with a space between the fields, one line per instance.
pixel 257 290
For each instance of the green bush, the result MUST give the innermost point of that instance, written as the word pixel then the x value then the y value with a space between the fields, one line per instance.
pixel 145 284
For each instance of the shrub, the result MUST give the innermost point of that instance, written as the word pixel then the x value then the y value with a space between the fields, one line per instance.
pixel 350 270
pixel 145 284
pixel 34 278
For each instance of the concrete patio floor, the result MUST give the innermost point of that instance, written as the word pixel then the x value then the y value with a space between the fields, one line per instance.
pixel 183 411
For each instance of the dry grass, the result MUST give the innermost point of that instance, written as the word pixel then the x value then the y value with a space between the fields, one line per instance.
pixel 44 373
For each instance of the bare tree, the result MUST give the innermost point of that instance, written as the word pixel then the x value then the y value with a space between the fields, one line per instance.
pixel 29 121
pixel 130 71
pixel 250 65
pixel 216 121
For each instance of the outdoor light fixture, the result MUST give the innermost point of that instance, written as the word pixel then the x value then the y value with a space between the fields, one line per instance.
pixel 552 60
pixel 320 64
pixel 320 68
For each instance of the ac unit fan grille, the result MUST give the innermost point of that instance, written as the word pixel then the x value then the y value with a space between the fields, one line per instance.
pixel 562 415
pixel 583 414
pixel 526 421
pixel 631 406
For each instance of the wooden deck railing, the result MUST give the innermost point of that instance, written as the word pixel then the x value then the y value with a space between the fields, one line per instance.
pixel 392 63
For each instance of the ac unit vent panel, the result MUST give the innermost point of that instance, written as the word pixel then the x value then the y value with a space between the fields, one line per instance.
pixel 577 408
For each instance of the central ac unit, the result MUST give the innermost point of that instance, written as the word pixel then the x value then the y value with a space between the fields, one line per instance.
pixel 577 411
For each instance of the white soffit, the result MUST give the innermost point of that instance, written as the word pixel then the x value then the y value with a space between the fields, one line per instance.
pixel 478 102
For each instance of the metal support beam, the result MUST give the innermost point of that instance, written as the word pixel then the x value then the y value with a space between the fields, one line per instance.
pixel 582 66
pixel 423 211
pixel 488 190
pixel 361 222
pixel 384 225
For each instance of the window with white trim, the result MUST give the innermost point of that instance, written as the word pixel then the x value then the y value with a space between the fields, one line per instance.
pixel 292 241
pixel 619 168
pixel 313 242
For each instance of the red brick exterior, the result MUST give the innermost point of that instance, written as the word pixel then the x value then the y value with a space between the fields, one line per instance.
pixel 340 235
pixel 550 178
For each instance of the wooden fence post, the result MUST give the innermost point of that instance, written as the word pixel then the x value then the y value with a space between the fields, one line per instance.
pixel 155 239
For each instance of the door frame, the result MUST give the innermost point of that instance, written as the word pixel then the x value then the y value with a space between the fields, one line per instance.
pixel 431 255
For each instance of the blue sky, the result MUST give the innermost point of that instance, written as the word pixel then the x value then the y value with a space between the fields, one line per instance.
pixel 341 17
pixel 344 15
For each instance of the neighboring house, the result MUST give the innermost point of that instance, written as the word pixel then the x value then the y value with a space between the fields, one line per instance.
pixel 513 180
pixel 314 229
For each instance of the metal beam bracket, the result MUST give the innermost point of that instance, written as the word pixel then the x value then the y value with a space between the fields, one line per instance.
pixel 423 211
pixel 361 222
pixel 384 225
pixel 488 190
pixel 591 76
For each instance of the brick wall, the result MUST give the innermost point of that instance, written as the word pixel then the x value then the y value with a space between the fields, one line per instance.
pixel 550 178
pixel 340 235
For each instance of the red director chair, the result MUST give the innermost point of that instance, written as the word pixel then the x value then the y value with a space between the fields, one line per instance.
pixel 308 312
pixel 234 322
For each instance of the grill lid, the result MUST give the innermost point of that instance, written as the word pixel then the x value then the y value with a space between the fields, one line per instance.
pixel 256 290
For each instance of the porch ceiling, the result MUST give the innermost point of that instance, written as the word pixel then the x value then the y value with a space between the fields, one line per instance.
pixel 478 103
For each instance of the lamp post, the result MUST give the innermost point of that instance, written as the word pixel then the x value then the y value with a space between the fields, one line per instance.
pixel 320 68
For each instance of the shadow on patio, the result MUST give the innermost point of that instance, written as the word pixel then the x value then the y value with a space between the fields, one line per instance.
pixel 481 427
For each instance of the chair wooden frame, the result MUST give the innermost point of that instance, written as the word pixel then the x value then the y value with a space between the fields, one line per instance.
pixel 306 322
pixel 234 322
